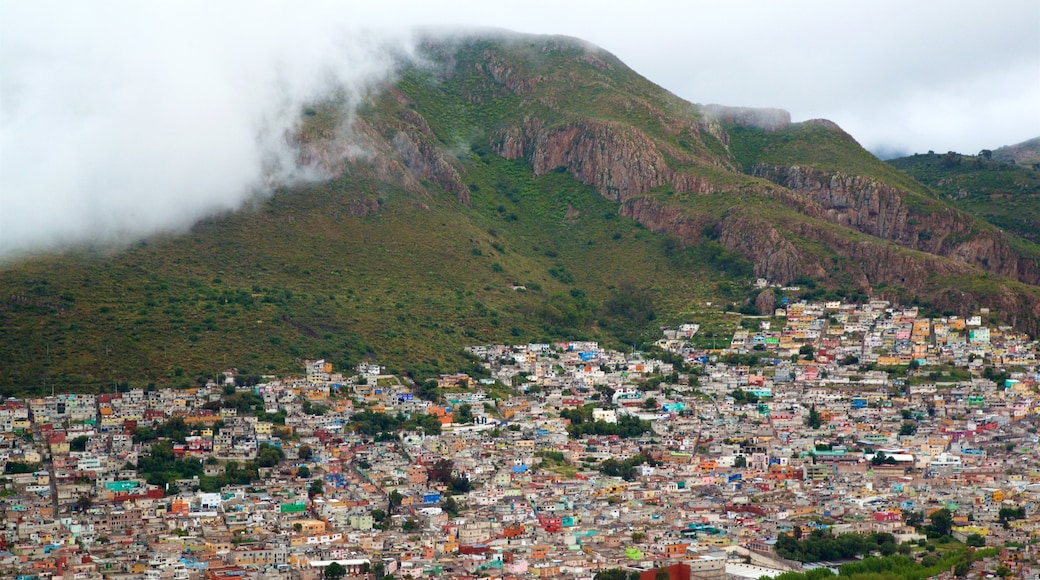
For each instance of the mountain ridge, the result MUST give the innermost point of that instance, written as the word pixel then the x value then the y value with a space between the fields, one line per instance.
pixel 498 164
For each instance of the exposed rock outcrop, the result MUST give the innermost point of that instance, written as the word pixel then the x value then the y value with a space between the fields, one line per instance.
pixel 881 210
pixel 620 161
pixel 765 302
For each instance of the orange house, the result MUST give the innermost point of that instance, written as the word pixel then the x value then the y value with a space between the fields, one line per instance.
pixel 676 550
pixel 180 507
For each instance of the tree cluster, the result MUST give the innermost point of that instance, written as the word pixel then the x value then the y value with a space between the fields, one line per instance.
pixel 820 545
pixel 160 466
pixel 940 524
pixel 616 574
pixel 269 455
pixel 625 469
pixel 14 467
pixel 1008 514
pixel 175 429
pixel 626 427
pixel 742 397
pixel 375 424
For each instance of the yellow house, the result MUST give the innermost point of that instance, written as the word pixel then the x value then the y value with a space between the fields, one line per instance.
pixel 309 527
pixel 980 530
pixel 317 394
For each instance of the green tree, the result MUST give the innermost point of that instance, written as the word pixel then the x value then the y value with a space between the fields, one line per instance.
pixel 269 455
pixel 84 503
pixel 814 421
pixel 740 461
pixel 611 574
pixel 463 414
pixel 303 472
pixel 975 540
pixel 450 506
pixel 335 571
pixel 394 501
pixel 14 467
pixel 881 459
pixel 941 523
pixel 1008 514
pixel 460 485
pixel 79 443
pixel 913 518
pixel 315 488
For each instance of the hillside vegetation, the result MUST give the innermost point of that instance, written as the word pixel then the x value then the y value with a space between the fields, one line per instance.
pixel 510 190
pixel 1004 194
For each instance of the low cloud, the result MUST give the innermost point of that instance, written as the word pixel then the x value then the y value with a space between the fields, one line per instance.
pixel 118 123
pixel 120 118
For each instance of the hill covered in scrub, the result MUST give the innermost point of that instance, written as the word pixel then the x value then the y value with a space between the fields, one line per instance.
pixel 507 189
pixel 1003 193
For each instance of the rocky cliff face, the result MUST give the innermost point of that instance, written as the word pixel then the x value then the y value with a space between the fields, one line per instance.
pixel 880 210
pixel 618 160
pixel 623 164
pixel 869 263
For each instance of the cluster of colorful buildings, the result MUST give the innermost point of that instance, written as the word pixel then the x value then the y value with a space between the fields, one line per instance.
pixel 842 417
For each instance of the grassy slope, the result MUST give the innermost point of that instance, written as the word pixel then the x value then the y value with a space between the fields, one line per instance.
pixel 825 148
pixel 299 276
pixel 1003 194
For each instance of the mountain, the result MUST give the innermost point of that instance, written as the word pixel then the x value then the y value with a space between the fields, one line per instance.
pixel 1003 193
pixel 1025 153
pixel 507 189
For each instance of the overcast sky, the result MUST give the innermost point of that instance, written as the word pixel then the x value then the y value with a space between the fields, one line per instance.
pixel 118 119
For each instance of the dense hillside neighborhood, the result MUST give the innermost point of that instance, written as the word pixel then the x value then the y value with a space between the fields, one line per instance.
pixel 916 434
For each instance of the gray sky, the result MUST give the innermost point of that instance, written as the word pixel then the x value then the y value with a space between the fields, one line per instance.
pixel 118 119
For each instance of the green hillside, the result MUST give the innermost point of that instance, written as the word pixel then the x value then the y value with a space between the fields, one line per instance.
pixel 299 278
pixel 1004 194
pixel 512 190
